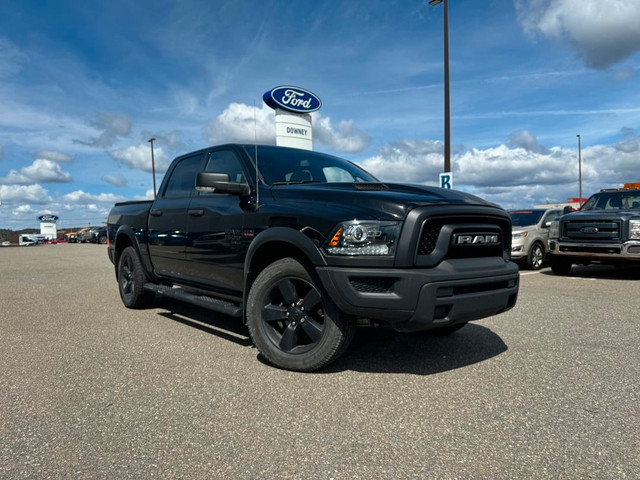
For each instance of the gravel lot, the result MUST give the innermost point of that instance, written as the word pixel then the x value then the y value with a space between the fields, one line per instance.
pixel 91 390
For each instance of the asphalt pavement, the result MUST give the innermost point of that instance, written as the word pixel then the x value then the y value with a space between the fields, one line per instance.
pixel 92 390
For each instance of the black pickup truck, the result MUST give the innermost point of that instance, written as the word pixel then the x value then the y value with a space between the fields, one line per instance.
pixel 304 246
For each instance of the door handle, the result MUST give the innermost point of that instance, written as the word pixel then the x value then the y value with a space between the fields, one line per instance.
pixel 196 213
pixel 156 213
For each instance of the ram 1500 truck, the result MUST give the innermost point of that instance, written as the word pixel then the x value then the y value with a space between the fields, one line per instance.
pixel 303 246
pixel 606 230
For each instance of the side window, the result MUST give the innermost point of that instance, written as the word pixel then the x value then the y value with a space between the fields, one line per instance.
pixel 551 216
pixel 183 178
pixel 225 161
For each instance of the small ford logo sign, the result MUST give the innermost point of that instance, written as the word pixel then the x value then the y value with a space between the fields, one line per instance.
pixel 293 99
pixel 589 230
pixel 48 218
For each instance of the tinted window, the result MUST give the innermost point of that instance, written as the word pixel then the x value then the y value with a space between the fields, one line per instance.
pixel 290 165
pixel 183 178
pixel 225 161
pixel 613 201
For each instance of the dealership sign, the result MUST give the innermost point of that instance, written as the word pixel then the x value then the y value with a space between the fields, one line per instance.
pixel 292 99
pixel 48 218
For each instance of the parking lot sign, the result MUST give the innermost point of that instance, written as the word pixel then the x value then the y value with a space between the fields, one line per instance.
pixel 446 180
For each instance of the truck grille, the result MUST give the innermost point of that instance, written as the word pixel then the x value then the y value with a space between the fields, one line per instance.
pixel 591 230
pixel 436 241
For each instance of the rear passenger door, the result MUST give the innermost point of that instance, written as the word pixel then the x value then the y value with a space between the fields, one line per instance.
pixel 168 217
pixel 215 248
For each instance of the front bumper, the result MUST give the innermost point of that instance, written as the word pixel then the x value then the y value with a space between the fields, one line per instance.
pixel 456 291
pixel 596 251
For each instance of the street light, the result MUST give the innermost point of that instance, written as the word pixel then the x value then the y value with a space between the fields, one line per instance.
pixel 153 167
pixel 579 170
pixel 447 129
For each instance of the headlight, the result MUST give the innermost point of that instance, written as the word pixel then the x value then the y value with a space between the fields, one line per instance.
pixel 554 229
pixel 363 238
pixel 519 236
pixel 634 229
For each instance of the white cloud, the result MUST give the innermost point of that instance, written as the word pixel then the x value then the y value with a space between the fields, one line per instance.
pixel 112 127
pixel 22 209
pixel 139 158
pixel 512 176
pixel 117 180
pixel 243 124
pixel 528 141
pixel 83 198
pixel 148 195
pixel 54 156
pixel 347 138
pixel 602 33
pixel 40 171
pixel 23 194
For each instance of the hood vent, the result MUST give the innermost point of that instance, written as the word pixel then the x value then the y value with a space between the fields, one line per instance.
pixel 370 186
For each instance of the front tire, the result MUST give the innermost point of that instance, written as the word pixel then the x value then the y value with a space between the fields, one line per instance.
pixel 560 266
pixel 131 280
pixel 292 322
pixel 535 258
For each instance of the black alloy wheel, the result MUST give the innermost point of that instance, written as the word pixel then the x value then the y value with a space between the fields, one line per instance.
pixel 290 321
pixel 131 280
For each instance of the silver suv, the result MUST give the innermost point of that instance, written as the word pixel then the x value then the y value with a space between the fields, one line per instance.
pixel 530 235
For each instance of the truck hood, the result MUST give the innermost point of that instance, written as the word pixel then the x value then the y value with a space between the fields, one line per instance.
pixel 383 201
pixel 602 214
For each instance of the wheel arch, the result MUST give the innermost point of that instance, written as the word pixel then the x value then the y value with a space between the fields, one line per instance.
pixel 277 243
pixel 126 237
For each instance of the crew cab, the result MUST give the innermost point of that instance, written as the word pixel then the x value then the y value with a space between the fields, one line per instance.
pixel 605 230
pixel 302 246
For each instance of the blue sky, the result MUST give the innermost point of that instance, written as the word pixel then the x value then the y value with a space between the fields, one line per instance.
pixel 83 85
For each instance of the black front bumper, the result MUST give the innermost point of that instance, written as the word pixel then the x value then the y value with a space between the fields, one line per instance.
pixel 415 299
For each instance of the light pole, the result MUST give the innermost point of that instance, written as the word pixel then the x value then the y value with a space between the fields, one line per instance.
pixel 153 167
pixel 447 130
pixel 579 170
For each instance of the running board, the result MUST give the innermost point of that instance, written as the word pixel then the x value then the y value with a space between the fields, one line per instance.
pixel 215 304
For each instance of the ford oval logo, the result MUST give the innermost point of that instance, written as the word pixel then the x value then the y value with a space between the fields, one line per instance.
pixel 293 99
pixel 48 218
pixel 589 230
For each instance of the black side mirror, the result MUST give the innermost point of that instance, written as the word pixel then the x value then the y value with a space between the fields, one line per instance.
pixel 567 209
pixel 219 183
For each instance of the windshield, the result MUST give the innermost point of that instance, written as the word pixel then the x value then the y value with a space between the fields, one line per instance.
pixel 524 218
pixel 613 201
pixel 281 166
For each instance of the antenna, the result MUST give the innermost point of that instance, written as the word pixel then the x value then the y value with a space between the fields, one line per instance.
pixel 255 143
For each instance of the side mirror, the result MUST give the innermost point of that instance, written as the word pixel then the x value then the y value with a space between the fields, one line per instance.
pixel 219 183
pixel 567 209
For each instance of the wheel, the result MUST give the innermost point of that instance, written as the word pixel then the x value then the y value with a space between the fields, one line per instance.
pixel 446 330
pixel 560 266
pixel 131 280
pixel 102 239
pixel 535 258
pixel 291 322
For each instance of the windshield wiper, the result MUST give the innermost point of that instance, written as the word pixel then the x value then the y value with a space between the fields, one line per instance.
pixel 294 182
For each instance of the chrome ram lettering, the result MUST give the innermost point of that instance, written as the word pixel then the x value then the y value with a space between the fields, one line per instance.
pixel 472 239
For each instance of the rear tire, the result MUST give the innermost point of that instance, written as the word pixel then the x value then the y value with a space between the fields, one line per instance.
pixel 560 266
pixel 292 322
pixel 131 280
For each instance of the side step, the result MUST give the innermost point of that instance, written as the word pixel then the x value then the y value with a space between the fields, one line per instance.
pixel 215 304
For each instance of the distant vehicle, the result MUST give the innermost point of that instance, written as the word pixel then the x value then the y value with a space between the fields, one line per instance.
pixel 80 233
pixel 72 237
pixel 606 230
pixel 25 240
pixel 5 244
pixel 94 235
pixel 530 235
